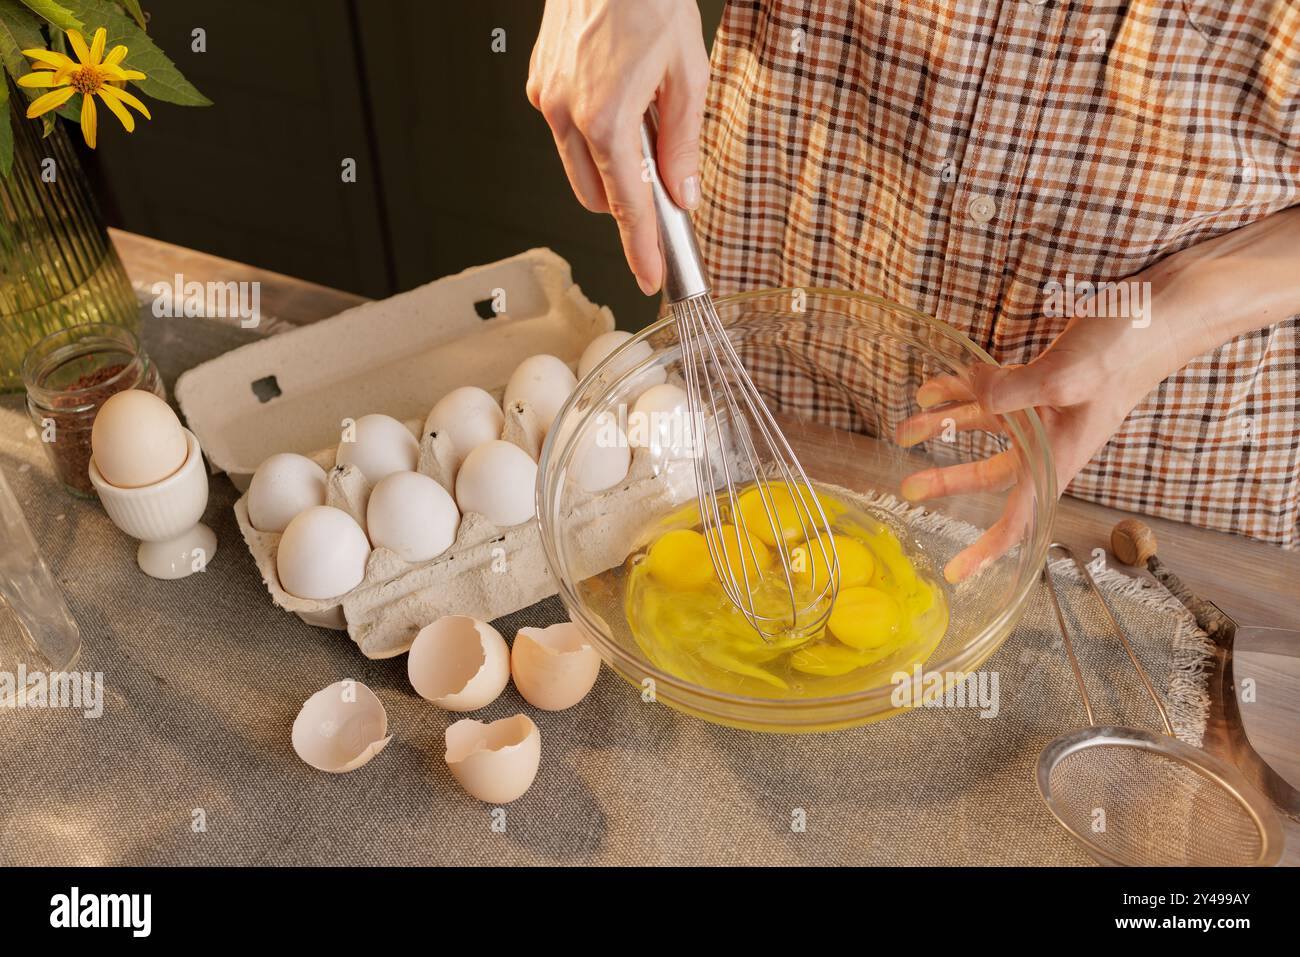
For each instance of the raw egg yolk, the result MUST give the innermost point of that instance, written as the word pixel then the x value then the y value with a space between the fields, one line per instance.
pixel 680 559
pixel 856 564
pixel 830 660
pixel 864 617
pixel 740 558
pixel 786 510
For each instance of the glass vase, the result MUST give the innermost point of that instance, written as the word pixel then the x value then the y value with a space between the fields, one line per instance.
pixel 58 267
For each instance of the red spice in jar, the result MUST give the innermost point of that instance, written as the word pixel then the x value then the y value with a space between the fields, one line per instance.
pixel 69 375
pixel 70 450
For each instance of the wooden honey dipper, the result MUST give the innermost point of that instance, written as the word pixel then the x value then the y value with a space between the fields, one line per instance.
pixel 1134 543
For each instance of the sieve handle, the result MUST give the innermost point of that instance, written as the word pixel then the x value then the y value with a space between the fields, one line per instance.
pixel 1069 645
pixel 1114 626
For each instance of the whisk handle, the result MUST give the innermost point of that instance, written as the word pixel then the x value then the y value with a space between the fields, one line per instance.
pixel 683 269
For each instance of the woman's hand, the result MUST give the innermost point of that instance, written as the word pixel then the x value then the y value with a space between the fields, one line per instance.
pixel 1080 401
pixel 1098 369
pixel 596 68
pixel 1082 386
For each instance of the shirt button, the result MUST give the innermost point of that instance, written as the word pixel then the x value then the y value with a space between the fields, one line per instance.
pixel 1035 3
pixel 981 209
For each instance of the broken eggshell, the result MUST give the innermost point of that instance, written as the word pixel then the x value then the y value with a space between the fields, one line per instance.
pixel 340 727
pixel 553 667
pixel 494 762
pixel 459 663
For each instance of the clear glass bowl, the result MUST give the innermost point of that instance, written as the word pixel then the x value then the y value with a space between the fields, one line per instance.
pixel 840 371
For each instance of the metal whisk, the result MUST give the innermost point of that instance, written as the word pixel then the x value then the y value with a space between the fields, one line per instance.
pixel 740 440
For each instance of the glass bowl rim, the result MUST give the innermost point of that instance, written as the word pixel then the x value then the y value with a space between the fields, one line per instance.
pixel 973 653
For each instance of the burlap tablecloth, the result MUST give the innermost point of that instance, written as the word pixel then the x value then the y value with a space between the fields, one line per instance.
pixel 190 762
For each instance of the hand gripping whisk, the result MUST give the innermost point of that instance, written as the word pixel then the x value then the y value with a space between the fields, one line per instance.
pixel 734 439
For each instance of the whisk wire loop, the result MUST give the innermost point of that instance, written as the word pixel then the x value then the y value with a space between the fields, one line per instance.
pixel 735 438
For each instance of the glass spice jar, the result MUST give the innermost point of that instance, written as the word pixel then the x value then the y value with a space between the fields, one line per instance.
pixel 71 373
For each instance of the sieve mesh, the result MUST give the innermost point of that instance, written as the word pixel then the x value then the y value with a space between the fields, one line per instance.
pixel 1151 808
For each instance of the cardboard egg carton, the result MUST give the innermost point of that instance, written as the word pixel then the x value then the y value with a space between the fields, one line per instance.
pixel 488 571
pixel 399 356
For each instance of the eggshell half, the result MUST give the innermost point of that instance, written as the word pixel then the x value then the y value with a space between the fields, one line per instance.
pixel 340 727
pixel 553 667
pixel 494 762
pixel 459 663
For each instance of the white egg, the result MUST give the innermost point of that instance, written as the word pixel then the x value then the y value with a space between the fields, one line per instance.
pixel 598 348
pixel 544 382
pixel 602 455
pixel 413 515
pixel 378 445
pixel 283 485
pixel 499 481
pixel 137 440
pixel 660 420
pixel 603 345
pixel 459 663
pixel 469 416
pixel 494 762
pixel 322 554
pixel 554 667
pixel 340 727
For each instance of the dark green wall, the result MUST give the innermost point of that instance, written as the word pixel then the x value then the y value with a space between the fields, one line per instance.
pixel 454 166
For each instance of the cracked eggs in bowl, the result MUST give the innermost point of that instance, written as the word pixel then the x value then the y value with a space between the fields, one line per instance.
pixel 941 516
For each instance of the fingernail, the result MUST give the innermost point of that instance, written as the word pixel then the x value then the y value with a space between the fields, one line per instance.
pixel 914 488
pixel 691 191
pixel 646 288
pixel 928 395
pixel 910 433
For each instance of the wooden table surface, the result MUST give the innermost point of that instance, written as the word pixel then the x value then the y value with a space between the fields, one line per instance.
pixel 1254 583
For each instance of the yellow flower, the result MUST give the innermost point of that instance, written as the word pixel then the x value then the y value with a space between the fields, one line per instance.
pixel 95 74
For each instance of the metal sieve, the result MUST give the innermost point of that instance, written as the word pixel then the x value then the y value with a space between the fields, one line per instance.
pixel 1141 799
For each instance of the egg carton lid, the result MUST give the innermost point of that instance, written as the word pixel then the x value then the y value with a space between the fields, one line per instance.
pixel 290 392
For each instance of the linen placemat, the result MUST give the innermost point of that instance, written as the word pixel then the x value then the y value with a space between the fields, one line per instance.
pixel 190 761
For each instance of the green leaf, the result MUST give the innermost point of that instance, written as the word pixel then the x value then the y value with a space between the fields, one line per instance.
pixel 164 82
pixel 19 31
pixel 133 7
pixel 6 133
pixel 56 13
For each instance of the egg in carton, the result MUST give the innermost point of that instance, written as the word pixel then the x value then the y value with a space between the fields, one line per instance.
pixel 488 571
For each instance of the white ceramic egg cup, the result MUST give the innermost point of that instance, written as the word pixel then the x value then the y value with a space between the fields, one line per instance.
pixel 165 516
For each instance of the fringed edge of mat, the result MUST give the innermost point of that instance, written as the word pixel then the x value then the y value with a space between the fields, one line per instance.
pixel 1188 696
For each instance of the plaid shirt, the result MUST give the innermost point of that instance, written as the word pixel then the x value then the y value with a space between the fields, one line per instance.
pixel 960 157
